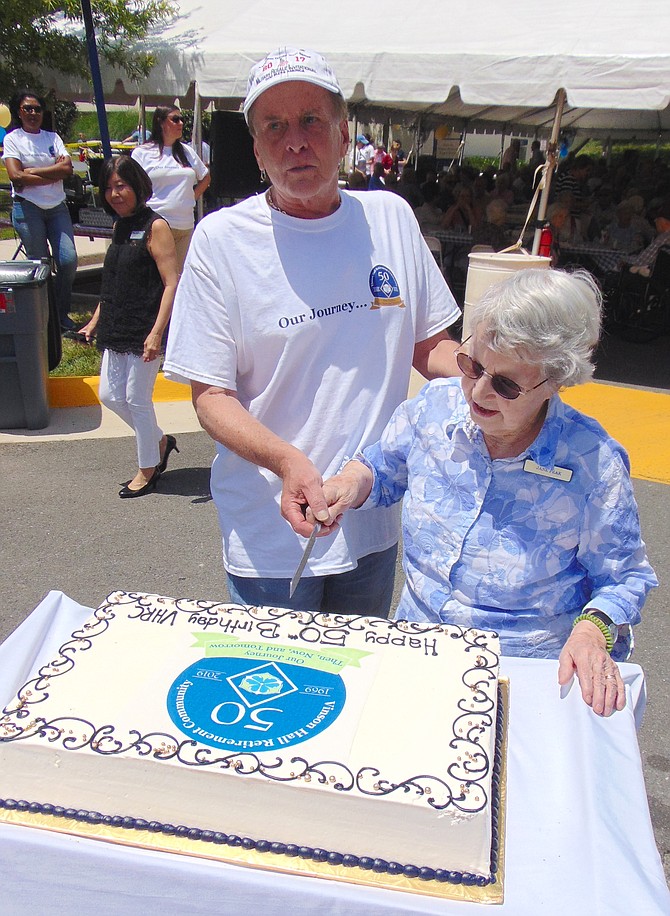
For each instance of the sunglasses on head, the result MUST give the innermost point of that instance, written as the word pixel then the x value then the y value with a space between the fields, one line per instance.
pixel 176 119
pixel 505 387
pixel 32 109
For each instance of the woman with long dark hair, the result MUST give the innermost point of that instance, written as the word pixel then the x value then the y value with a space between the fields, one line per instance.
pixel 139 280
pixel 178 175
pixel 37 162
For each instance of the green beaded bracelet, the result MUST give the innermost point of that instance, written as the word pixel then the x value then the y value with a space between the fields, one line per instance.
pixel 604 629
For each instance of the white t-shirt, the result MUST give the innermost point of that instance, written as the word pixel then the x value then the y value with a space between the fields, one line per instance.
pixel 281 311
pixel 172 182
pixel 36 151
pixel 364 158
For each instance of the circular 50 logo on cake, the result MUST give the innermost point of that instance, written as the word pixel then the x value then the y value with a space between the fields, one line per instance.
pixel 240 700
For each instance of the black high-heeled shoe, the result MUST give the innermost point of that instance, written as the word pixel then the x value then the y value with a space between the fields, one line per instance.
pixel 127 493
pixel 170 447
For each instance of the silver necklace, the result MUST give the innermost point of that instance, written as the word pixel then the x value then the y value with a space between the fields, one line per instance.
pixel 273 204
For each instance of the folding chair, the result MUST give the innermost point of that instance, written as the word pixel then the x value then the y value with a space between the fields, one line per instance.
pixel 435 246
pixel 75 195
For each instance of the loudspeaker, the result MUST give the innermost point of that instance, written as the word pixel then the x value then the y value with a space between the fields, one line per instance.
pixel 233 164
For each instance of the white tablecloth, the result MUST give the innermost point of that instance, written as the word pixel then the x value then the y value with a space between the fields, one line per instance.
pixel 579 837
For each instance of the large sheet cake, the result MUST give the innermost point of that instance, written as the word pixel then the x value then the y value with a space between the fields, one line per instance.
pixel 342 738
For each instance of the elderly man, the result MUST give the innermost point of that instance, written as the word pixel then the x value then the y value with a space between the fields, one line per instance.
pixel 297 320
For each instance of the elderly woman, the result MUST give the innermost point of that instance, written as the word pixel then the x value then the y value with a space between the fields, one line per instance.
pixel 518 511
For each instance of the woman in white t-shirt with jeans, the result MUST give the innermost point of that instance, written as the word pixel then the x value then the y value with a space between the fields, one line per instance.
pixel 179 177
pixel 37 162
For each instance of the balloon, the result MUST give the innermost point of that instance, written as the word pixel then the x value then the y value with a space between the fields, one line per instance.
pixel 442 132
pixel 5 116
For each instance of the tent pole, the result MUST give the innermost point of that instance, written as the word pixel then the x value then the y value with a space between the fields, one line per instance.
pixel 353 151
pixel 96 79
pixel 197 141
pixel 551 165
pixel 142 121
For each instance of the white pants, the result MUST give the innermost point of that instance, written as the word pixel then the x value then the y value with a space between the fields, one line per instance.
pixel 126 387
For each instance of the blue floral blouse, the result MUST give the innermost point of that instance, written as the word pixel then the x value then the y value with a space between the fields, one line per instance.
pixel 496 545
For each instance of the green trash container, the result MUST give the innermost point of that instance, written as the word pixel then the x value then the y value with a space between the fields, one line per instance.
pixel 24 359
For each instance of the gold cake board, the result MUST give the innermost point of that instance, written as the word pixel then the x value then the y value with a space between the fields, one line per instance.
pixel 293 865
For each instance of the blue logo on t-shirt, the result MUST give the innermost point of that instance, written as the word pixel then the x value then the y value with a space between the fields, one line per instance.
pixel 241 704
pixel 384 288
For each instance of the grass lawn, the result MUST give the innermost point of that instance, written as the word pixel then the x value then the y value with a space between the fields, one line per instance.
pixel 5 213
pixel 78 359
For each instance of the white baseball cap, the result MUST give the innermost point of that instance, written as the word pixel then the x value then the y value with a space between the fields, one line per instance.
pixel 289 63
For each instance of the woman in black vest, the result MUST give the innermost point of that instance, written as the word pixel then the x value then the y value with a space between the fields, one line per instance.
pixel 139 281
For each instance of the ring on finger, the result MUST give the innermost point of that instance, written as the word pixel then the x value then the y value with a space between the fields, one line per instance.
pixel 610 677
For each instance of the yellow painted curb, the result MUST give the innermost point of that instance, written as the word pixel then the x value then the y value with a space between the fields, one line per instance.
pixel 638 419
pixel 82 391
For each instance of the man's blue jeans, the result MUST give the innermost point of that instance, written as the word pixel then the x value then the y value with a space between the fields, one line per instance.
pixel 35 227
pixel 367 590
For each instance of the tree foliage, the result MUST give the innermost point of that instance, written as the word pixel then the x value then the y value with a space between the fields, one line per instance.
pixel 45 34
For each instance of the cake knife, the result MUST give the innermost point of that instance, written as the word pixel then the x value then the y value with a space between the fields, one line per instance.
pixel 305 557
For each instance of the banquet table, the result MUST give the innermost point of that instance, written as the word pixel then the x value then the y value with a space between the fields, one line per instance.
pixel 579 837
pixel 607 260
pixel 452 237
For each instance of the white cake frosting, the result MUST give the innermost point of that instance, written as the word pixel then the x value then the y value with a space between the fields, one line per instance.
pixel 355 735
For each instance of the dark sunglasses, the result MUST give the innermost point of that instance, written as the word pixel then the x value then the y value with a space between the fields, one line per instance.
pixel 502 385
pixel 177 119
pixel 32 109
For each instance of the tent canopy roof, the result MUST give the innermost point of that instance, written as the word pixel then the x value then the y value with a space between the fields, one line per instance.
pixel 489 65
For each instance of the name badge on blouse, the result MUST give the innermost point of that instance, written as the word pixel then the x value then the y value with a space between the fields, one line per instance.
pixel 555 473
pixel 137 235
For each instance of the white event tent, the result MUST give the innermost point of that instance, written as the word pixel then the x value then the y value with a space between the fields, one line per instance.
pixel 491 65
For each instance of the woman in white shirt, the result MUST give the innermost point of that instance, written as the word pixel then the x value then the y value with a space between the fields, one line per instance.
pixel 179 177
pixel 37 162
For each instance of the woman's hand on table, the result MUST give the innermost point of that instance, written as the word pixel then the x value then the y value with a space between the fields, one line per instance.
pixel 585 655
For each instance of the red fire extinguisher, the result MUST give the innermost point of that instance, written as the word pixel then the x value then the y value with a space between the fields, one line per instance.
pixel 546 239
